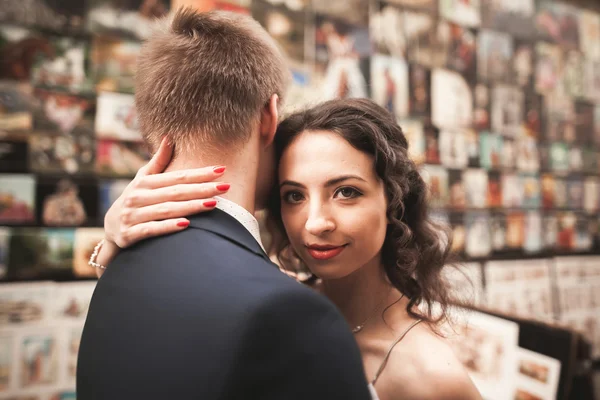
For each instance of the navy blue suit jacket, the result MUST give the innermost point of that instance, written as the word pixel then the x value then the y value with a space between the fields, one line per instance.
pixel 204 314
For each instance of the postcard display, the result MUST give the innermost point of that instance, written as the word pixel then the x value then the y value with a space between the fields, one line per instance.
pixel 499 100
pixel 40 331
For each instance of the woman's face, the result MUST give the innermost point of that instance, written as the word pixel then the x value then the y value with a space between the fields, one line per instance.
pixel 333 205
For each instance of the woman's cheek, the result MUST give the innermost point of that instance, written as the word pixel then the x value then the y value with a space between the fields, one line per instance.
pixel 292 222
pixel 367 224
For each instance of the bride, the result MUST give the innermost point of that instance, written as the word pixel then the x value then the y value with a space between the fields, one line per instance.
pixel 353 207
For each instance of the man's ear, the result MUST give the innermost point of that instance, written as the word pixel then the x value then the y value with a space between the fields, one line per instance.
pixel 269 117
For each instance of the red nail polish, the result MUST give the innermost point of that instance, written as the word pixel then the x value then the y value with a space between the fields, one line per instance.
pixel 219 170
pixel 223 187
pixel 210 203
pixel 183 224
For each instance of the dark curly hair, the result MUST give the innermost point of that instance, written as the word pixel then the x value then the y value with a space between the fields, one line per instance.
pixel 415 249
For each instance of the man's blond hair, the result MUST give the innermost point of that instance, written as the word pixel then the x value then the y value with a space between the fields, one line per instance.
pixel 203 78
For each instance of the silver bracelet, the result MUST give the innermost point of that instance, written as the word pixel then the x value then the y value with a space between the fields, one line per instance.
pixel 92 262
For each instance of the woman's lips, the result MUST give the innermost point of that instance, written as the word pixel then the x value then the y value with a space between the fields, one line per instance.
pixel 324 252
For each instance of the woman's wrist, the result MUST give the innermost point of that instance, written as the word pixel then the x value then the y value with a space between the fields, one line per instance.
pixel 102 255
pixel 107 252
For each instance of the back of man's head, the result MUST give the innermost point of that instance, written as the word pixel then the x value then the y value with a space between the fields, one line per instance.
pixel 203 79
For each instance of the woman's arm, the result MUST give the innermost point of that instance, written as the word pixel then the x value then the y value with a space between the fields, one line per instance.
pixel 156 203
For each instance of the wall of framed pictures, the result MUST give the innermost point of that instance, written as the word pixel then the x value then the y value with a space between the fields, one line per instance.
pixel 499 100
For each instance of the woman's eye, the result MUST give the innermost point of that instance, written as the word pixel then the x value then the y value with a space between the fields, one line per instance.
pixel 347 193
pixel 293 197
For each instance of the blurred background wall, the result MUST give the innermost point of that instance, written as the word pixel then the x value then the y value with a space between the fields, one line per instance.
pixel 500 102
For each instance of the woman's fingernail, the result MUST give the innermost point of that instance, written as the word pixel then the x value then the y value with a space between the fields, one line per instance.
pixel 210 203
pixel 223 187
pixel 219 170
pixel 183 224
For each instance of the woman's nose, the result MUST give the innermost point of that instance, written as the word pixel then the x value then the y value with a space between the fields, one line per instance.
pixel 319 221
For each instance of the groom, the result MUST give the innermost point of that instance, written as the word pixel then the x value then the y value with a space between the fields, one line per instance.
pixel 203 313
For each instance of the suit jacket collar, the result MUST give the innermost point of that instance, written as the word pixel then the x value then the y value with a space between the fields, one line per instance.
pixel 224 225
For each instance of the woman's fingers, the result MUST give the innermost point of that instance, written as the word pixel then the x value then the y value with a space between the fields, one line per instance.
pixel 154 197
pixel 198 175
pixel 159 161
pixel 184 192
pixel 163 211
pixel 155 202
pixel 134 234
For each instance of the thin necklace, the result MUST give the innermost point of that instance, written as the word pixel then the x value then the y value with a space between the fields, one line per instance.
pixel 360 327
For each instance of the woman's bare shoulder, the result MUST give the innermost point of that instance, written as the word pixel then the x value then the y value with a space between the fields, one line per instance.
pixel 423 366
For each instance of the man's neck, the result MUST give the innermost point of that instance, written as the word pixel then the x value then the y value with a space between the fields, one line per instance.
pixel 241 173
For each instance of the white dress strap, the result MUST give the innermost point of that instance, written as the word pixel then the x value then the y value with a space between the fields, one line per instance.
pixel 373 392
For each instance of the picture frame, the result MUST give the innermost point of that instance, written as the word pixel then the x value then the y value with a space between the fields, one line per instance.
pixel 17 199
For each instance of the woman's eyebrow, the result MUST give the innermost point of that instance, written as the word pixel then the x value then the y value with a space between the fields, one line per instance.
pixel 331 182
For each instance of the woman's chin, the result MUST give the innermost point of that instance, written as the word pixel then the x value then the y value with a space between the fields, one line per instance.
pixel 330 272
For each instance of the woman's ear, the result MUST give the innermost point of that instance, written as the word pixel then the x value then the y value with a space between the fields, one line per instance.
pixel 268 120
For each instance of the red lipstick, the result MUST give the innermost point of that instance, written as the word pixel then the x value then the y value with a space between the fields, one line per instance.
pixel 324 251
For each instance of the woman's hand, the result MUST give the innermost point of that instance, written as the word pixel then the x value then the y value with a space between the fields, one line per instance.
pixel 154 203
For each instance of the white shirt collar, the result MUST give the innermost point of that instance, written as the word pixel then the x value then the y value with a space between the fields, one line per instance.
pixel 242 215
